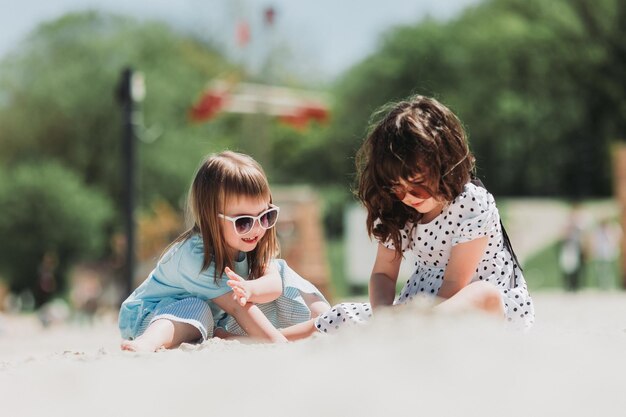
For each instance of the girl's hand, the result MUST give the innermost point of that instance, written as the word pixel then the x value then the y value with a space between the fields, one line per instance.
pixel 241 287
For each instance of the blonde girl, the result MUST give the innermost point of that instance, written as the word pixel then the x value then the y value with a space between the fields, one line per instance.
pixel 232 238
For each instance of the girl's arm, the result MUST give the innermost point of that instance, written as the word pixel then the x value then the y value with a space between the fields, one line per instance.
pixel 462 265
pixel 261 290
pixel 250 318
pixel 316 305
pixel 384 276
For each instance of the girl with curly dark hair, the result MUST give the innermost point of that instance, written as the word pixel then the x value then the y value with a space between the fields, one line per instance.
pixel 416 181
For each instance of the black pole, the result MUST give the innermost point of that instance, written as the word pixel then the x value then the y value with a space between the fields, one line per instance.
pixel 128 170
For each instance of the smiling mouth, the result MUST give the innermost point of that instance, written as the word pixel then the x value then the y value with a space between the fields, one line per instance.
pixel 250 240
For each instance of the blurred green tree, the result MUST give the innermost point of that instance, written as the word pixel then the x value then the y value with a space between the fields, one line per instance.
pixel 58 101
pixel 539 86
pixel 58 109
pixel 49 219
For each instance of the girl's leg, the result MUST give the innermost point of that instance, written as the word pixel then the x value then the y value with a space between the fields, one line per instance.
pixel 315 304
pixel 162 333
pixel 226 335
pixel 477 295
pixel 305 329
pixel 300 330
pixel 291 333
pixel 295 332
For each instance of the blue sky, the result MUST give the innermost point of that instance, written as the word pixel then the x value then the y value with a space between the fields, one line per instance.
pixel 323 36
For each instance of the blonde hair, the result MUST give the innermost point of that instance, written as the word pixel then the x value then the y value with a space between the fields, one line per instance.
pixel 220 177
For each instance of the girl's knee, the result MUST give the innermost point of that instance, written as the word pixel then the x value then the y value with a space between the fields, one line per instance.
pixel 486 296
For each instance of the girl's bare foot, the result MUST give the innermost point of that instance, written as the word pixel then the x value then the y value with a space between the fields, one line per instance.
pixel 139 345
pixel 222 334
pixel 162 333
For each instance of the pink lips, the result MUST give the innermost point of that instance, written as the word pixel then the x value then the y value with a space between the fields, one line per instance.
pixel 250 240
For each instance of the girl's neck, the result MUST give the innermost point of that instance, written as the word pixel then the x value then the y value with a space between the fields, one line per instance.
pixel 430 216
pixel 239 256
pixel 235 255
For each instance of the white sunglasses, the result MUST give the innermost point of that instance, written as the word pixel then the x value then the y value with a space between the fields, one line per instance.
pixel 244 224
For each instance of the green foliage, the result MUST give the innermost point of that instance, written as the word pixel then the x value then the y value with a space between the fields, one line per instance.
pixel 335 253
pixel 46 209
pixel 335 199
pixel 542 271
pixel 296 155
pixel 538 85
pixel 58 108
pixel 59 101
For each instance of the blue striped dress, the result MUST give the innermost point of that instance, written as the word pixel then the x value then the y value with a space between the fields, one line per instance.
pixel 179 289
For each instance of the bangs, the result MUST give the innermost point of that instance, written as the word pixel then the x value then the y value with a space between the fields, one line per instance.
pixel 238 175
pixel 245 182
pixel 402 161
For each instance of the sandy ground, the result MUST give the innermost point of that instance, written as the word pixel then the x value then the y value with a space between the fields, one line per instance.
pixel 573 363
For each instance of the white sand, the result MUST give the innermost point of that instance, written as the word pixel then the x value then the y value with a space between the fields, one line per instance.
pixel 571 364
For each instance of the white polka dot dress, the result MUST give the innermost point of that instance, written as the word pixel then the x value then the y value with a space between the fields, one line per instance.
pixel 473 214
pixel 343 315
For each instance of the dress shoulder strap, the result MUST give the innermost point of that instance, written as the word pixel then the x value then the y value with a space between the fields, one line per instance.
pixel 507 242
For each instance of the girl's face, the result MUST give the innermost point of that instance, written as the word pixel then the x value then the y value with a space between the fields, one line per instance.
pixel 241 206
pixel 413 194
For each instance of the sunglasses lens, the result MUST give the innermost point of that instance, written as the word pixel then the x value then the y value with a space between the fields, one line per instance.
pixel 419 191
pixel 414 189
pixel 269 218
pixel 244 224
pixel 400 193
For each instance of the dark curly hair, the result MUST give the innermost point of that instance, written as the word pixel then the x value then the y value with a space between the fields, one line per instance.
pixel 417 136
